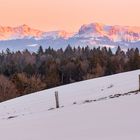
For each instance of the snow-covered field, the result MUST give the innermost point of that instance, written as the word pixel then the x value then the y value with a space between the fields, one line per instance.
pixel 98 109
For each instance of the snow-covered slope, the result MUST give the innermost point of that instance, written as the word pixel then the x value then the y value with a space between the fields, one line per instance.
pixel 104 108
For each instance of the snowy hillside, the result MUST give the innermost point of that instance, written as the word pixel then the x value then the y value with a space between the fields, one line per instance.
pixel 105 108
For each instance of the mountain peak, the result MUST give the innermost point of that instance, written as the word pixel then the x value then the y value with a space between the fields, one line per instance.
pixel 115 33
pixel 92 29
pixel 89 34
pixel 24 25
pixel 8 33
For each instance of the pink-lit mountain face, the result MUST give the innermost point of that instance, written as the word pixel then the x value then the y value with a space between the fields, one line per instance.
pixel 7 33
pixel 114 33
pixel 93 35
pixel 24 31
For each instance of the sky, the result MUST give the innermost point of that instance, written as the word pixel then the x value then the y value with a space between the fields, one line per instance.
pixel 68 15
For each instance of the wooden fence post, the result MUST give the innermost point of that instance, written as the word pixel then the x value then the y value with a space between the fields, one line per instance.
pixel 139 82
pixel 57 99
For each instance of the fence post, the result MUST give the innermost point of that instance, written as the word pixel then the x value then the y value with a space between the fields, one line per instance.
pixel 57 99
pixel 139 82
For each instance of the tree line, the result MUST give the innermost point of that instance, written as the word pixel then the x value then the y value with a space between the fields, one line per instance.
pixel 26 72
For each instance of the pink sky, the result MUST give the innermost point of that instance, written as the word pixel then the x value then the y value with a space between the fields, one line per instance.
pixel 68 14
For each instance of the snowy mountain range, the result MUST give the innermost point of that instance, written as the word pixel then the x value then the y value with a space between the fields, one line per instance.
pixel 93 35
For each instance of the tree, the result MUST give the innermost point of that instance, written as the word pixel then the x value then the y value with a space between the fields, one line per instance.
pixel 118 51
pixel 52 77
pixel 134 61
pixel 7 89
pixel 40 51
pixel 29 69
pixel 28 84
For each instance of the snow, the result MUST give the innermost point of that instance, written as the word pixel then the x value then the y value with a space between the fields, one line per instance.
pixel 114 33
pixel 97 30
pixel 33 45
pixel 93 34
pixel 32 117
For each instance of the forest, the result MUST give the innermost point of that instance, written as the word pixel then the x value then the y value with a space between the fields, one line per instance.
pixel 27 72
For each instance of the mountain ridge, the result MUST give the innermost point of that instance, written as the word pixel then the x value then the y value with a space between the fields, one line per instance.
pixel 90 29
pixel 23 31
pixel 93 34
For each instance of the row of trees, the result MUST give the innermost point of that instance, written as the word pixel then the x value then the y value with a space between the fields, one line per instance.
pixel 24 72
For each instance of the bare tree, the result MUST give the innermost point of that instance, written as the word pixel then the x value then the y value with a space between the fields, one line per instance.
pixel 7 89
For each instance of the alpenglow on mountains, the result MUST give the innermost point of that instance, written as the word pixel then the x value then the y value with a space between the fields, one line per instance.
pixel 93 35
